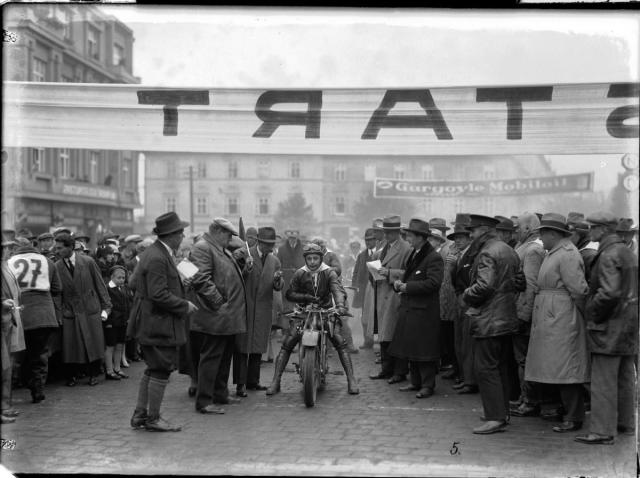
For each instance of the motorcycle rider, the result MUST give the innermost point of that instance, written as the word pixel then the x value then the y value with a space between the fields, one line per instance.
pixel 316 283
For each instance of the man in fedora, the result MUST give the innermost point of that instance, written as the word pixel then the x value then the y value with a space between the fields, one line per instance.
pixel 214 327
pixel 612 331
pixel 506 230
pixel 252 236
pixel 159 323
pixel 291 259
pixel 587 248
pixel 492 315
pixel 393 259
pixel 362 281
pixel 531 253
pixel 264 278
pixel 557 352
pixel 459 269
pixel 416 337
pixel 627 233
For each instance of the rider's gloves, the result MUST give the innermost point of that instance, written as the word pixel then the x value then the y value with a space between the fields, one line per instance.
pixel 310 298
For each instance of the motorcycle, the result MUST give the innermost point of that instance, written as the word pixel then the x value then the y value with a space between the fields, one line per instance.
pixel 316 326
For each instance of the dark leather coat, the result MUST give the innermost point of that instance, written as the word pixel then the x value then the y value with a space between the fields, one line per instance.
pixel 492 294
pixel 612 304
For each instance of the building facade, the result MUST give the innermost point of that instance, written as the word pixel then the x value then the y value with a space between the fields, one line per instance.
pixel 89 191
pixel 337 187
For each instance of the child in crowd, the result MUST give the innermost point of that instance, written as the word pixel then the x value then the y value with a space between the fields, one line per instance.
pixel 115 326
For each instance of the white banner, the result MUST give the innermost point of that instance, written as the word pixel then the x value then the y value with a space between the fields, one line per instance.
pixel 558 119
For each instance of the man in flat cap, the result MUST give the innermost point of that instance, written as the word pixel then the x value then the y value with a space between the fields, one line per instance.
pixel 252 236
pixel 215 326
pixel 45 246
pixel 612 325
pixel 363 282
pixel 493 319
pixel 159 325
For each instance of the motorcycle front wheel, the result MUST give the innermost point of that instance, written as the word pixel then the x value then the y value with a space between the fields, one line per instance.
pixel 310 375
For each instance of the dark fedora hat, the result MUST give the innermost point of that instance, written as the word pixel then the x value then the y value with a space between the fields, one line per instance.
pixel 574 218
pixel 251 232
pixel 267 234
pixel 391 223
pixel 554 221
pixel 462 218
pixel 505 224
pixel 603 218
pixel 418 226
pixel 377 224
pixel 438 223
pixel 458 229
pixel 478 220
pixel 369 234
pixel 167 223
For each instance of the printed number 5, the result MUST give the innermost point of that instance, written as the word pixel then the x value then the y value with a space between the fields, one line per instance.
pixel 26 269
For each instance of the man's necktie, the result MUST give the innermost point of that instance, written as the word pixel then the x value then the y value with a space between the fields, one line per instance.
pixel 70 265
pixel 384 251
pixel 264 259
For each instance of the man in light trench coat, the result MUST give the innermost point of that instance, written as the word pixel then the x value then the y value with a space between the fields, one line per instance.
pixel 557 351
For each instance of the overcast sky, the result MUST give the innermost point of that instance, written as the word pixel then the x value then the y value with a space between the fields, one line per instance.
pixel 216 47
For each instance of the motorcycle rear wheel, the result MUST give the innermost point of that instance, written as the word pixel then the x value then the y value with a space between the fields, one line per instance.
pixel 310 375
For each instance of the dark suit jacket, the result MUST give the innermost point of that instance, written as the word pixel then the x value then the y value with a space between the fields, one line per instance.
pixel 160 306
pixel 360 277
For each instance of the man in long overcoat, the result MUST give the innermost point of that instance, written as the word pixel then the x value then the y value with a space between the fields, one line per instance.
pixel 291 259
pixel 416 337
pixel 157 320
pixel 85 304
pixel 612 325
pixel 213 330
pixel 361 281
pixel 264 278
pixel 557 351
pixel 393 259
pixel 531 254
pixel 492 316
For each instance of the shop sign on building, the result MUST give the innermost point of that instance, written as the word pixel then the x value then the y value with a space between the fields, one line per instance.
pixel 89 191
pixel 406 188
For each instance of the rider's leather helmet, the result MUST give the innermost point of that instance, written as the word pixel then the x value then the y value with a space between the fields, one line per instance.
pixel 311 248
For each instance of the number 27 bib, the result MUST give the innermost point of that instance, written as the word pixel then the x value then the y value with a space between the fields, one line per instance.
pixel 31 270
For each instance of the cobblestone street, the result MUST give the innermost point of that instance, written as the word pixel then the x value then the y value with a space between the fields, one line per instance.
pixel 381 432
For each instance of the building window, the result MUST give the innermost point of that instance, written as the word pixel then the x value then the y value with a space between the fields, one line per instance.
pixel 264 168
pixel 94 160
pixel 201 205
pixel 427 172
pixel 232 206
pixel 64 162
pixel 202 169
pixel 294 169
pixel 427 207
pixel 340 172
pixel 67 24
pixel 488 205
pixel 458 205
pixel 170 204
pixel 39 70
pixel 93 43
pixel 488 172
pixel 126 171
pixel 233 169
pixel 38 160
pixel 398 171
pixel 171 169
pixel 370 172
pixel 263 206
pixel 340 206
pixel 118 55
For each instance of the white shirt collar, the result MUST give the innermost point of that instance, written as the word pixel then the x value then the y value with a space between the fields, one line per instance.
pixel 112 285
pixel 72 259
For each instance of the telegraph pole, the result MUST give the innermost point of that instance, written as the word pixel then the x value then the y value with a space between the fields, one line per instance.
pixel 192 225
